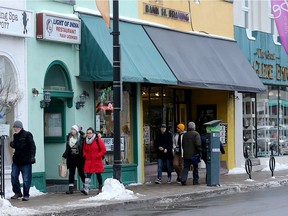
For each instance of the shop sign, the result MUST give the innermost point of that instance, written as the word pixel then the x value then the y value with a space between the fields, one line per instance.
pixel 58 28
pixel 266 70
pixel 109 143
pixel 16 22
pixel 160 11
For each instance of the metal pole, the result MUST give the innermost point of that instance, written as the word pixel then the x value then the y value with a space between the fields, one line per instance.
pixel 117 87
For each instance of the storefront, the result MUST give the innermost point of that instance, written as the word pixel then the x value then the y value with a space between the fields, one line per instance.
pixel 168 76
pixel 16 26
pixel 265 115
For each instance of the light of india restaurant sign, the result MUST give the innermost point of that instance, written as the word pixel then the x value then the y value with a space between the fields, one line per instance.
pixel 16 22
pixel 58 28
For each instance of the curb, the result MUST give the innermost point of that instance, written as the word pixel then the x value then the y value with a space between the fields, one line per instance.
pixel 168 200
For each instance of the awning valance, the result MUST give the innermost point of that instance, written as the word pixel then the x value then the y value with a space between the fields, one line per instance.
pixel 140 60
pixel 205 62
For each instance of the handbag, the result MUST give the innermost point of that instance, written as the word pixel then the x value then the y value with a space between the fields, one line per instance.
pixel 62 168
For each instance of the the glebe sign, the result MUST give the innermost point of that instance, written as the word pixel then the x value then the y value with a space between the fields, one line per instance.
pixel 58 28
pixel 280 10
pixel 16 22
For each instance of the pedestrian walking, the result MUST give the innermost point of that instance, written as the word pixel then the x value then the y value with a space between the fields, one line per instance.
pixel 74 156
pixel 164 145
pixel 191 144
pixel 23 158
pixel 94 150
pixel 178 151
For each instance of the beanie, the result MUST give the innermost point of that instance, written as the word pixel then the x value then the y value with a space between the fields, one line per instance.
pixel 17 124
pixel 75 127
pixel 181 127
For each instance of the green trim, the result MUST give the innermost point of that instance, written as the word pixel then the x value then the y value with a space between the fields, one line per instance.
pixel 135 122
pixel 63 94
pixel 128 174
pixel 39 181
pixel 56 106
pixel 65 69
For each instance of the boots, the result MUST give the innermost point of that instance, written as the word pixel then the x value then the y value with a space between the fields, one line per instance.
pixel 86 186
pixel 70 191
pixel 99 189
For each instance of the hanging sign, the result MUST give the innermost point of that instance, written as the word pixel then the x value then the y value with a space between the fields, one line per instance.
pixel 16 22
pixel 58 28
pixel 280 11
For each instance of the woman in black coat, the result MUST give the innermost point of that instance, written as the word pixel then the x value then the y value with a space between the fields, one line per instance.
pixel 74 156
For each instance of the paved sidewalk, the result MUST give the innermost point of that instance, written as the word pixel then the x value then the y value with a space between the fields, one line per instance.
pixel 151 194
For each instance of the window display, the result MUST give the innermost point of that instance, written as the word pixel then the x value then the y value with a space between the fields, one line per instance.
pixel 105 123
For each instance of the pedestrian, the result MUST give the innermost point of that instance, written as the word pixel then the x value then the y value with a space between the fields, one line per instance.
pixel 23 158
pixel 191 144
pixel 178 151
pixel 74 156
pixel 164 145
pixel 94 150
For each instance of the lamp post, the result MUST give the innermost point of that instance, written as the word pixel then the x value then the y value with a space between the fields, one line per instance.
pixel 117 88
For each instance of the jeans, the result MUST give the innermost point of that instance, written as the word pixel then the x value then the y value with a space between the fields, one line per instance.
pixel 187 165
pixel 160 167
pixel 26 171
pixel 99 178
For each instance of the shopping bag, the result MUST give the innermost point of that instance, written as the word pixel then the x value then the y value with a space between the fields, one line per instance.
pixel 62 169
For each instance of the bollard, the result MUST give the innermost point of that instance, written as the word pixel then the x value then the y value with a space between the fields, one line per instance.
pixel 248 167
pixel 272 161
pixel 248 162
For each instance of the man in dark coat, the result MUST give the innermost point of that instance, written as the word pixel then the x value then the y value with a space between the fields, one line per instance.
pixel 164 145
pixel 191 144
pixel 23 158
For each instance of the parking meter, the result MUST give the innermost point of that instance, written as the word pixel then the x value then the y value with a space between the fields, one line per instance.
pixel 213 152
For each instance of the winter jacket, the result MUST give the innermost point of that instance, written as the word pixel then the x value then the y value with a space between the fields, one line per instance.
pixel 93 155
pixel 74 155
pixel 166 141
pixel 191 144
pixel 25 148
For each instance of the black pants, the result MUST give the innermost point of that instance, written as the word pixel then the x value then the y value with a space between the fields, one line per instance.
pixel 77 163
pixel 187 165
pixel 99 178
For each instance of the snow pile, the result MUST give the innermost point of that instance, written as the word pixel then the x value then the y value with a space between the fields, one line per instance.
pixel 7 208
pixel 278 166
pixel 237 170
pixel 114 190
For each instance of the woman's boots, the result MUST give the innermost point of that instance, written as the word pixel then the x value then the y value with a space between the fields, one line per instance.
pixel 70 191
pixel 99 189
pixel 86 186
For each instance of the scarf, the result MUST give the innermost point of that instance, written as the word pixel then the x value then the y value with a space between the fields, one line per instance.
pixel 89 141
pixel 72 141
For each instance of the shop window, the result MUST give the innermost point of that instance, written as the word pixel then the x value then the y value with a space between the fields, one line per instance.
pixel 157 108
pixel 270 121
pixel 105 122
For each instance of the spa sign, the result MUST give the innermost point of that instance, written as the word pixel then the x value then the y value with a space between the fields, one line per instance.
pixel 16 22
pixel 58 28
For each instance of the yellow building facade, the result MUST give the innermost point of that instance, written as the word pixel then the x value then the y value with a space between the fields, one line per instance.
pixel 206 17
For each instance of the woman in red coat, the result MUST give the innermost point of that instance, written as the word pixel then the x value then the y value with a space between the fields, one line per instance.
pixel 93 151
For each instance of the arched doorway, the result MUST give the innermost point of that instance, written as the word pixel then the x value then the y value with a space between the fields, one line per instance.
pixel 57 82
pixel 9 97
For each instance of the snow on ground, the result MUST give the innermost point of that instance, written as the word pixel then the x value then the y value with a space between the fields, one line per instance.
pixel 278 166
pixel 7 208
pixel 113 190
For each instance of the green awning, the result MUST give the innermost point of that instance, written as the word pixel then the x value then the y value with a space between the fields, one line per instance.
pixel 140 60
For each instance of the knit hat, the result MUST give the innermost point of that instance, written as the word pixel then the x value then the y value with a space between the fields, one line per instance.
pixel 75 127
pixel 181 127
pixel 163 126
pixel 17 124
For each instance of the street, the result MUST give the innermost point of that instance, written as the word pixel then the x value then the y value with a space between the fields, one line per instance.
pixel 264 202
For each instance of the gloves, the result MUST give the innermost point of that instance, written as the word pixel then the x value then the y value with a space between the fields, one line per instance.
pixel 33 160
pixel 12 144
